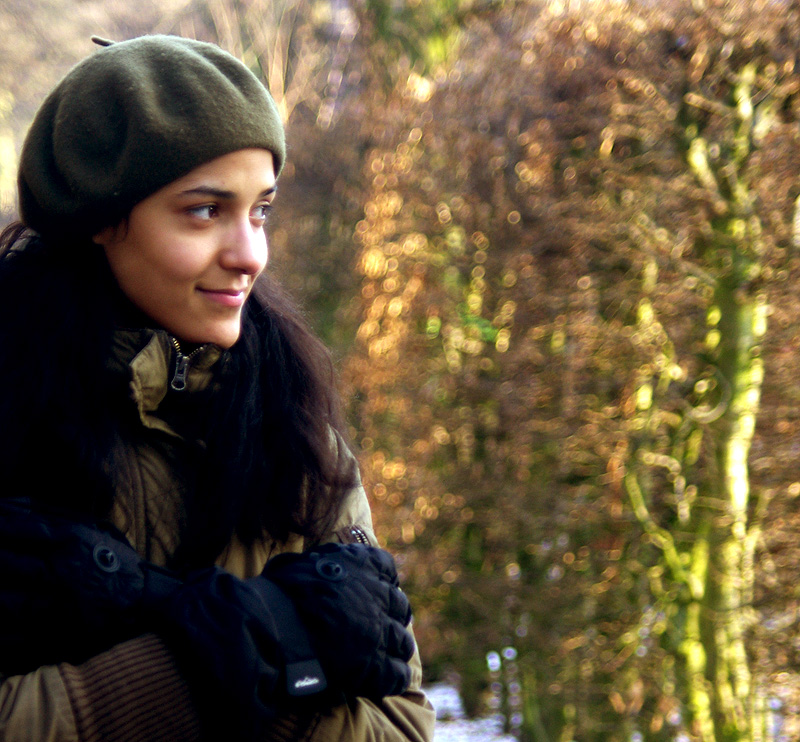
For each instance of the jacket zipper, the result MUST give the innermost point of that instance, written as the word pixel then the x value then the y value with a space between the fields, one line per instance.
pixel 358 535
pixel 178 382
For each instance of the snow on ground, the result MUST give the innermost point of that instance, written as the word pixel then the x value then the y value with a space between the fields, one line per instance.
pixel 453 726
pixel 477 730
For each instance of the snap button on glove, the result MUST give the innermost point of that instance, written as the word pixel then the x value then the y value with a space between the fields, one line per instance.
pixel 349 600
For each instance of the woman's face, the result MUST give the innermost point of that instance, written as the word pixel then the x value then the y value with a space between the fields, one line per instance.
pixel 188 255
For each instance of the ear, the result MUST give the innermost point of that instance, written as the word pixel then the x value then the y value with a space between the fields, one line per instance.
pixel 106 236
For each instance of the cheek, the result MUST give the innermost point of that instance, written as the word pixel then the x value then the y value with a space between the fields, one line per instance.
pixel 175 266
pixel 153 265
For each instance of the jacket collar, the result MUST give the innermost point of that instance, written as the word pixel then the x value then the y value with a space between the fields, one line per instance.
pixel 148 357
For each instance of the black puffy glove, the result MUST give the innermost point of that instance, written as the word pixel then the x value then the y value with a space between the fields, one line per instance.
pixel 68 589
pixel 317 627
pixel 331 619
pixel 234 650
pixel 349 600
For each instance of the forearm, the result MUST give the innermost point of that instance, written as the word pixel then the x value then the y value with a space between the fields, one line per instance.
pixel 35 708
pixel 134 693
pixel 406 718
pixel 396 719
pixel 130 693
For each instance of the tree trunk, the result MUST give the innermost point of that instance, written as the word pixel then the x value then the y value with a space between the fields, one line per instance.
pixel 727 611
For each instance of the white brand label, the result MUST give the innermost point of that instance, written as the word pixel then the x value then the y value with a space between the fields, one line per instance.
pixel 306 682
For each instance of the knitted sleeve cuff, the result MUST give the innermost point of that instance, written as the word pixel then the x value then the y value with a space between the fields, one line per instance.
pixel 131 693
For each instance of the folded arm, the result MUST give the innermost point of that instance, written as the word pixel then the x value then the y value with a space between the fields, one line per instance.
pixel 137 686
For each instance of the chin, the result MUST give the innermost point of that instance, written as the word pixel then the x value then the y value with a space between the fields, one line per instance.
pixel 225 340
pixel 223 337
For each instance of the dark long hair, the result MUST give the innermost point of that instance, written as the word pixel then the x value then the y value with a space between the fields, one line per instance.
pixel 267 452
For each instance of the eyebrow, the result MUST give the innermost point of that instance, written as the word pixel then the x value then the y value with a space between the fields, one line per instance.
pixel 221 193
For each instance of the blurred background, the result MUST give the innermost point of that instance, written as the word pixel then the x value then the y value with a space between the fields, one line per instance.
pixel 554 246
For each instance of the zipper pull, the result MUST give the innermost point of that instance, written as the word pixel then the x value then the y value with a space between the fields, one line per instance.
pixel 178 382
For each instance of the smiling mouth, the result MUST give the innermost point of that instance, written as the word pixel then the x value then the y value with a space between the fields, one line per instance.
pixel 225 297
pixel 229 292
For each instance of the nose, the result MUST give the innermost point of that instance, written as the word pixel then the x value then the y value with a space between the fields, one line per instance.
pixel 245 249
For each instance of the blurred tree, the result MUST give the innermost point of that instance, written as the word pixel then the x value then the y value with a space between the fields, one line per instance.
pixel 427 34
pixel 290 44
pixel 567 253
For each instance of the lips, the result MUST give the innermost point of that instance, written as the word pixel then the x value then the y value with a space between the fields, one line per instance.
pixel 229 297
pixel 229 292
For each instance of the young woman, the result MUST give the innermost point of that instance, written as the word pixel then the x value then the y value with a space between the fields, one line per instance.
pixel 186 551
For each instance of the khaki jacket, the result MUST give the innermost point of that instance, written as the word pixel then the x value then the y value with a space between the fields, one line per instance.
pixel 134 691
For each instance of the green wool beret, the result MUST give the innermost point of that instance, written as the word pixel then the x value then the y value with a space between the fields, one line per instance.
pixel 131 118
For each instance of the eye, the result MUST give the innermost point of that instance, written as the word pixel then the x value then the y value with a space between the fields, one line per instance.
pixel 260 213
pixel 205 211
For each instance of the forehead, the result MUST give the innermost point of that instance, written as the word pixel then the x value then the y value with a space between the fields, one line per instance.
pixel 243 171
